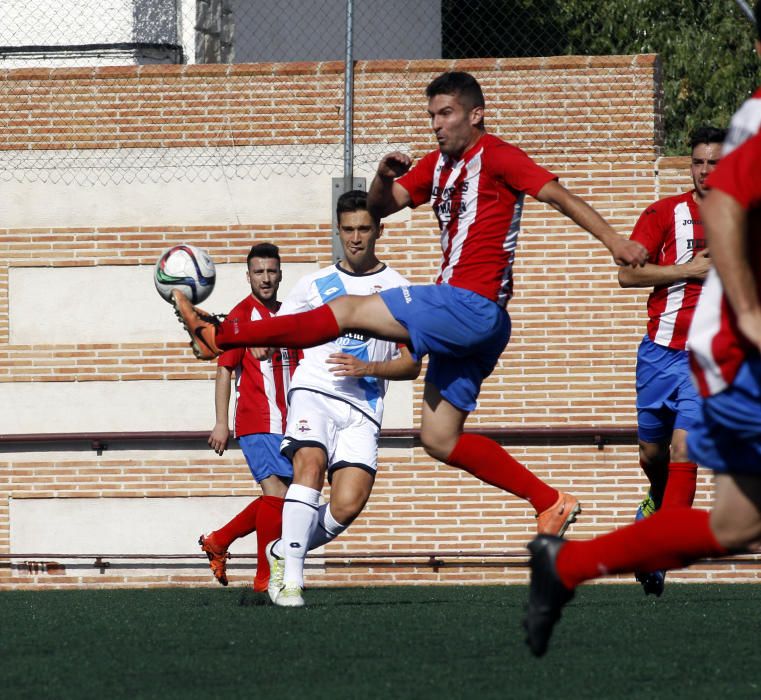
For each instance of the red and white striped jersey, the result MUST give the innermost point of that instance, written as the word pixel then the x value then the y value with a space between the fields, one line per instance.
pixel 261 387
pixel 717 347
pixel 478 201
pixel 672 232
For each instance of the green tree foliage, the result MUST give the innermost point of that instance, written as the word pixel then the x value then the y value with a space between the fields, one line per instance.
pixel 706 46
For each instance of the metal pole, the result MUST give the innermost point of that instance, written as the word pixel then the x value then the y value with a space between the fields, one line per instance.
pixel 746 10
pixel 347 183
pixel 349 97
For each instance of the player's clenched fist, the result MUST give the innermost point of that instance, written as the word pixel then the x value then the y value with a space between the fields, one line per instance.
pixel 629 253
pixel 394 165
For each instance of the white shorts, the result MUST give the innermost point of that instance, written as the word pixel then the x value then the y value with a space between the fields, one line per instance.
pixel 348 436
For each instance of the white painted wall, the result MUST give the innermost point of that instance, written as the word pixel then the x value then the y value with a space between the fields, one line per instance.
pixel 156 525
pixel 113 304
pixel 182 186
pixel 129 525
pixel 136 406
pixel 57 22
pixel 67 25
pixel 85 298
pixel 84 307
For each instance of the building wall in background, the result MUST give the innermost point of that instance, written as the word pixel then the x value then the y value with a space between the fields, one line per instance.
pixel 58 33
pixel 159 139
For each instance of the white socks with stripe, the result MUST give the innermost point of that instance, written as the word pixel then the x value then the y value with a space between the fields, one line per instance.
pixel 306 526
pixel 299 522
pixel 328 528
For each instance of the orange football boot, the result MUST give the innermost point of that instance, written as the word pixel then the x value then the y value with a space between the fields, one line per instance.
pixel 201 326
pixel 217 560
pixel 555 520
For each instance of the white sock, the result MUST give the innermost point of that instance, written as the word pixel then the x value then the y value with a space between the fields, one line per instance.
pixel 299 521
pixel 327 529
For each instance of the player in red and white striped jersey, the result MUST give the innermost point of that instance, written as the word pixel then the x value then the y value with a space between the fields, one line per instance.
pixel 478 200
pixel 476 184
pixel 725 353
pixel 667 401
pixel 262 380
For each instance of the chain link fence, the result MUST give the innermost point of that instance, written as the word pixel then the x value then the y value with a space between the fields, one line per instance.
pixel 705 47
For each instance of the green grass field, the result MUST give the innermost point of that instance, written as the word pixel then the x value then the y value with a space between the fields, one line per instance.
pixel 698 641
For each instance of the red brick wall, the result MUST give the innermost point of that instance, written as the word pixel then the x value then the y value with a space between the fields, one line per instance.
pixel 593 121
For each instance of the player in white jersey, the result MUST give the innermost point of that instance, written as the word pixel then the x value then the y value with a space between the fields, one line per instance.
pixel 336 405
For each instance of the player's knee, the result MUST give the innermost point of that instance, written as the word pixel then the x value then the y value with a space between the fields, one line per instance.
pixel 345 511
pixel 679 453
pixel 653 455
pixel 737 535
pixel 308 472
pixel 434 448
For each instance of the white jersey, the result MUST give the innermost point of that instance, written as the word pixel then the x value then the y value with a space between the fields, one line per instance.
pixel 313 373
pixel 745 122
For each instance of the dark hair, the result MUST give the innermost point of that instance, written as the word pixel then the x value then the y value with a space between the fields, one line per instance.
pixel 263 250
pixel 707 134
pixel 353 200
pixel 458 83
pixel 461 85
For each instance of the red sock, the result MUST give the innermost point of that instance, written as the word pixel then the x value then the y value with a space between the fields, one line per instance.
pixel 668 539
pixel 486 460
pixel 680 487
pixel 269 523
pixel 241 525
pixel 302 330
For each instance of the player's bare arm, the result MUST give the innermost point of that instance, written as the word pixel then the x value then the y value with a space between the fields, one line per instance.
pixel 623 250
pixel 725 224
pixel 220 434
pixel 400 368
pixel 651 275
pixel 386 196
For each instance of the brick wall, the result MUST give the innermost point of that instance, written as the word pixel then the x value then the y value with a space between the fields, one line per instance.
pixel 593 121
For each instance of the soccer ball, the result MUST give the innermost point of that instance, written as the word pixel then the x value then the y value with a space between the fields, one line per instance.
pixel 187 268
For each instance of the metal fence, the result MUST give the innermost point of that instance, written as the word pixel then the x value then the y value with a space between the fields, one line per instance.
pixel 705 47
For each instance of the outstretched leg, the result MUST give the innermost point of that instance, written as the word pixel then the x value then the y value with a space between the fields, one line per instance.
pixel 443 438
pixel 210 336
pixel 670 539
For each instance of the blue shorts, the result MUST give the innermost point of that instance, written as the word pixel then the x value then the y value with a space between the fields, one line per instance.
pixel 462 332
pixel 666 397
pixel 728 439
pixel 262 452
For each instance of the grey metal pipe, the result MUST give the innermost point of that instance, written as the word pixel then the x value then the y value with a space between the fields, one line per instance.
pixel 349 98
pixel 348 174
